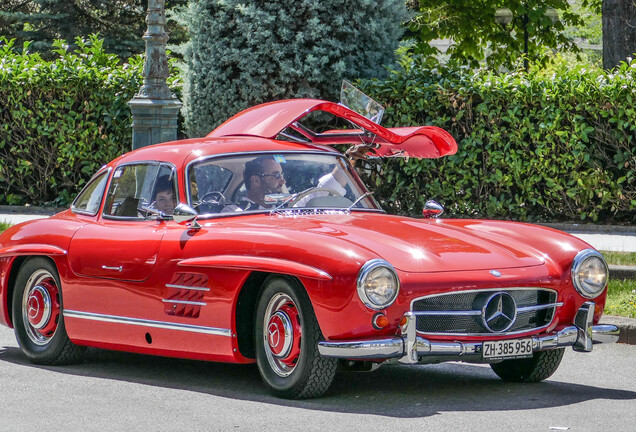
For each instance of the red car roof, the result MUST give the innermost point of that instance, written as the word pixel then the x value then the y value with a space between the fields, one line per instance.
pixel 184 151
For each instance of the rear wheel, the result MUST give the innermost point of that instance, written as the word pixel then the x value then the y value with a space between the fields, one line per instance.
pixel 37 315
pixel 537 368
pixel 287 334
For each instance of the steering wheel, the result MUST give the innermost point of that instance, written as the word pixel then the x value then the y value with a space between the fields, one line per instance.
pixel 310 191
pixel 211 202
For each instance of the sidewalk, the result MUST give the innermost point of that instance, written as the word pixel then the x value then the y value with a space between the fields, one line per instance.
pixel 15 215
pixel 626 325
pixel 602 237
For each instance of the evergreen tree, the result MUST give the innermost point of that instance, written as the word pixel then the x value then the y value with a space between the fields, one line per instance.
pixel 121 23
pixel 245 52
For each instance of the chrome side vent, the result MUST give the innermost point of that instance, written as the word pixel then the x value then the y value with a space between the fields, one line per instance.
pixel 185 294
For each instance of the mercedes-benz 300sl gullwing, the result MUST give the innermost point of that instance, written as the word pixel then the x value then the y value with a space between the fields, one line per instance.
pixel 260 244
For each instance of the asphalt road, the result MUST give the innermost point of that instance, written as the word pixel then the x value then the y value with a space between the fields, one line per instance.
pixel 111 391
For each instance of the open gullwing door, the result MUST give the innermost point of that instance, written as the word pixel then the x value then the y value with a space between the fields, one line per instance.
pixel 283 120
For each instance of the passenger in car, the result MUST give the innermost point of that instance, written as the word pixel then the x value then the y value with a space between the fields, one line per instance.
pixel 165 201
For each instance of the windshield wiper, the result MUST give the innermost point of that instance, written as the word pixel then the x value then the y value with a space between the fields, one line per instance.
pixel 360 198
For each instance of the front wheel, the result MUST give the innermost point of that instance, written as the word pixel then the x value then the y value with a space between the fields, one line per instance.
pixel 537 368
pixel 37 315
pixel 287 334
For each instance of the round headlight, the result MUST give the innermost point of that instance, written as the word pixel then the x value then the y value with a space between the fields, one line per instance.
pixel 589 273
pixel 378 284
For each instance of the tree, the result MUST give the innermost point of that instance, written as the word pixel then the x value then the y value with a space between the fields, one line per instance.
pixel 592 29
pixel 619 34
pixel 121 23
pixel 244 52
pixel 477 36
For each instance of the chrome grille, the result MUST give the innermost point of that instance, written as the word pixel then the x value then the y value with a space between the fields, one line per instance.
pixel 461 313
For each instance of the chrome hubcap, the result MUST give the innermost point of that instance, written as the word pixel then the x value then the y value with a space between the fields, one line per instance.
pixel 40 307
pixel 281 334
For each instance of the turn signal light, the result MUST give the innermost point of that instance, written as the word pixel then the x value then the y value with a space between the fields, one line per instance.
pixel 402 320
pixel 380 321
pixel 598 309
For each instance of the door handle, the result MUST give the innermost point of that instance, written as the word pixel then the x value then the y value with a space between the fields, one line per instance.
pixel 119 269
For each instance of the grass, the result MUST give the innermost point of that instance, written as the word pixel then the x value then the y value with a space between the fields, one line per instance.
pixel 621 298
pixel 620 258
pixel 621 294
pixel 4 225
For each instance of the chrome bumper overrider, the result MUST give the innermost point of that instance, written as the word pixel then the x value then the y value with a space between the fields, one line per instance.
pixel 409 348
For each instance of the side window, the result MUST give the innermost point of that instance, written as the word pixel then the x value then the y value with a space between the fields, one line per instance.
pixel 164 195
pixel 207 181
pixel 135 188
pixel 90 197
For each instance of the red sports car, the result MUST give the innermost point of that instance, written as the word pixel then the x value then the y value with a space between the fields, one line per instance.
pixel 259 243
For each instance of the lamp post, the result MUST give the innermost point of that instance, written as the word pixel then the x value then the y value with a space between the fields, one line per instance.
pixel 504 16
pixel 155 109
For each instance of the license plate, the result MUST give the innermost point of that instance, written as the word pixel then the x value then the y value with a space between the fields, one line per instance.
pixel 512 348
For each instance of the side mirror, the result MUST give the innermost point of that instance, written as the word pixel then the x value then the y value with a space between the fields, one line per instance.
pixel 432 209
pixel 184 214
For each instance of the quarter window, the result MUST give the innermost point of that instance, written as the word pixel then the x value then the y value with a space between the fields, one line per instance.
pixel 90 198
pixel 137 189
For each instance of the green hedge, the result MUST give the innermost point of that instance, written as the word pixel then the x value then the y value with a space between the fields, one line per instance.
pixel 61 119
pixel 551 145
pixel 544 146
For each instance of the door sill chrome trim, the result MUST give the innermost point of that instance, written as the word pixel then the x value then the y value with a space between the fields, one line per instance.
pixel 147 323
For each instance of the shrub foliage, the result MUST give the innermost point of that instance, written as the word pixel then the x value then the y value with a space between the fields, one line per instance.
pixel 242 53
pixel 61 119
pixel 548 145
pixel 557 145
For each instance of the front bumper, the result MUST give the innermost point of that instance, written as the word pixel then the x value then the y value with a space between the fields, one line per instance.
pixel 409 348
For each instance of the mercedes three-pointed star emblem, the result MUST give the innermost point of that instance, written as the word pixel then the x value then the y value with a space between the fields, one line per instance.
pixel 274 334
pixel 499 312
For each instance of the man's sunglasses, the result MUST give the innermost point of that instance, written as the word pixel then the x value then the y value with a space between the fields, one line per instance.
pixel 276 175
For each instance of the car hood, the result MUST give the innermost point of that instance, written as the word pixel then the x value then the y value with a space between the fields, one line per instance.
pixel 410 245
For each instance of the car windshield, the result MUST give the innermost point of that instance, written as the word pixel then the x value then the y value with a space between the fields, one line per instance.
pixel 275 182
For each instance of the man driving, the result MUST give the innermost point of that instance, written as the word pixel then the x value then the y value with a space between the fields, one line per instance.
pixel 262 176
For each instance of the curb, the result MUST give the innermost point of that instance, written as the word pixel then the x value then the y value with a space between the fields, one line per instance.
pixel 622 272
pixel 30 210
pixel 627 327
pixel 591 228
